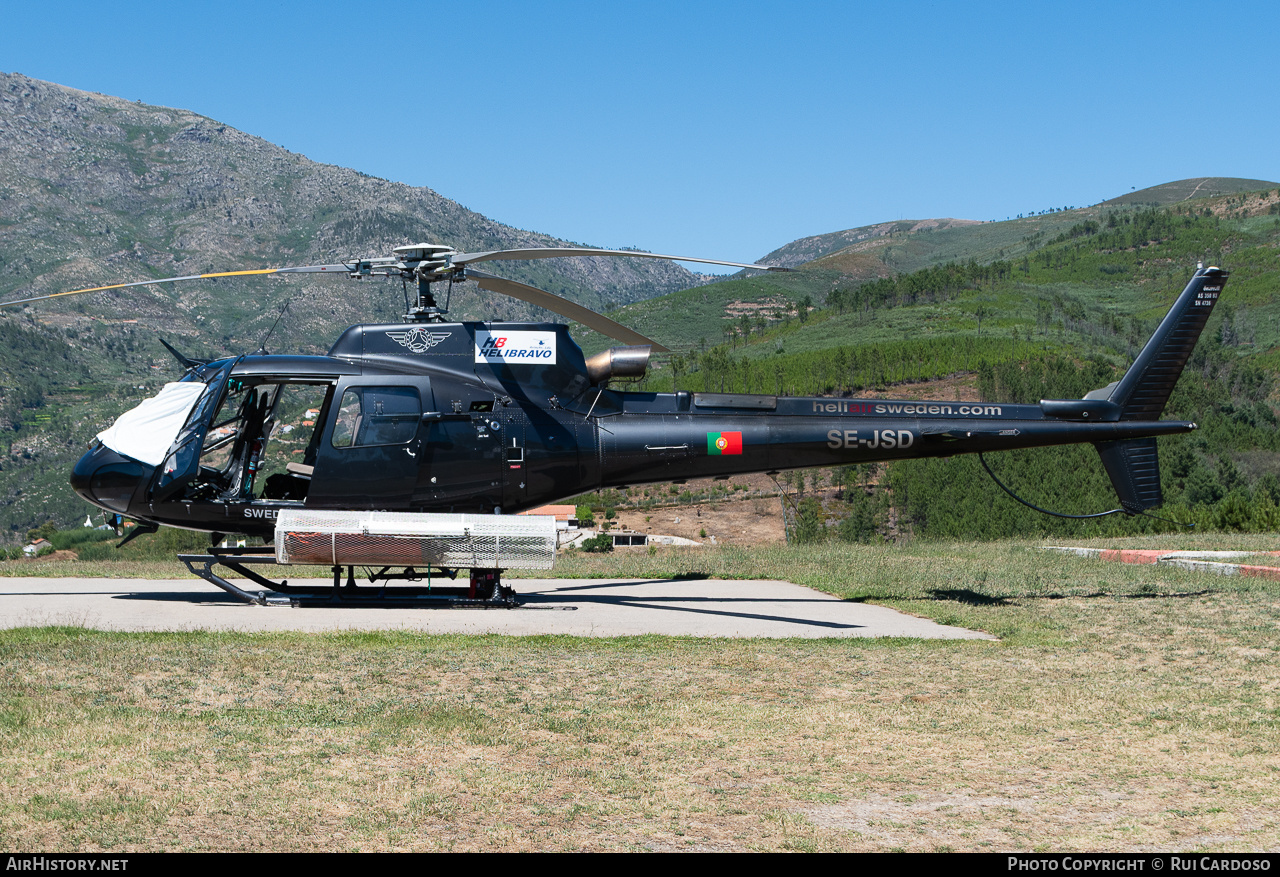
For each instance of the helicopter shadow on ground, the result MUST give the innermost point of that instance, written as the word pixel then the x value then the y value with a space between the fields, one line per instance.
pixel 308 602
pixel 559 598
pixel 681 603
pixel 974 598
pixel 217 598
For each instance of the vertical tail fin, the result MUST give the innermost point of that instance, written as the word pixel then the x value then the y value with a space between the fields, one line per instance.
pixel 1145 389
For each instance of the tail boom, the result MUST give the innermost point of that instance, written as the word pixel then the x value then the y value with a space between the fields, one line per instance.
pixel 639 448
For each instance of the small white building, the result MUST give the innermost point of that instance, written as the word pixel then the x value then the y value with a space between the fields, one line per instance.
pixel 36 547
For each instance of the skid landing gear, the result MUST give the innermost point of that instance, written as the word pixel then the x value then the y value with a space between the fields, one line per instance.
pixel 484 590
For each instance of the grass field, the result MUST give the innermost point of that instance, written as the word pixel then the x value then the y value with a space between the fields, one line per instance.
pixel 1125 708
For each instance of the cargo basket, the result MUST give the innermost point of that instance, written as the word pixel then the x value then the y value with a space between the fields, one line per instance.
pixel 336 538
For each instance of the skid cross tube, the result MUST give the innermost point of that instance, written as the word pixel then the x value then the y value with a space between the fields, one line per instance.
pixel 202 565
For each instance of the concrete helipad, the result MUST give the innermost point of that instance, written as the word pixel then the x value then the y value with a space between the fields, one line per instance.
pixel 578 607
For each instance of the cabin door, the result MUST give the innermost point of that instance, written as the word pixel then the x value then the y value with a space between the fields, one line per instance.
pixel 372 446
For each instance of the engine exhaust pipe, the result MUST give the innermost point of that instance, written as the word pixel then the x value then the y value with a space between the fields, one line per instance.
pixel 618 362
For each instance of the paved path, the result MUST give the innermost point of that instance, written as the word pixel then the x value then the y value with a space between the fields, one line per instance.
pixel 1225 563
pixel 579 607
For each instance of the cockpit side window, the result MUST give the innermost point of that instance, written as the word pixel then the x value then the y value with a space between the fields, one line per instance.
pixel 294 426
pixel 350 418
pixel 369 416
pixel 259 438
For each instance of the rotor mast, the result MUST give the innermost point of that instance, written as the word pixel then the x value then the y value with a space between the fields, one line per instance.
pixel 426 310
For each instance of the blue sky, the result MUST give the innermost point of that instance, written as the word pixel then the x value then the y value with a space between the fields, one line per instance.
pixel 713 129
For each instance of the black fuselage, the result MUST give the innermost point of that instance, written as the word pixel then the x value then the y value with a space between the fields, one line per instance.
pixel 445 418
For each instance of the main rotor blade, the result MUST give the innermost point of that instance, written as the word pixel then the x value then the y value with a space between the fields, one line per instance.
pixel 558 252
pixel 563 307
pixel 305 269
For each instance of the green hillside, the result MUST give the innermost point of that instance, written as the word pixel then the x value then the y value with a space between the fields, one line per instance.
pixel 699 317
pixel 807 249
pixel 913 244
pixel 682 320
pixel 1065 316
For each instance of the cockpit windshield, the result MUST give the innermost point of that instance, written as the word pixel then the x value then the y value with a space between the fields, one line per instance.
pixel 243 412
pixel 260 442
pixel 146 432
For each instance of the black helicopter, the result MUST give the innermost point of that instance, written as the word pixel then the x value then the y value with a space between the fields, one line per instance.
pixel 411 446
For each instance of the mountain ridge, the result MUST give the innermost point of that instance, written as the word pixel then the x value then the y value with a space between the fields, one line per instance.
pixel 831 248
pixel 813 247
pixel 98 189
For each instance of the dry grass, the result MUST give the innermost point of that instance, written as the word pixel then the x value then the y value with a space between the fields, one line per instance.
pixel 1127 708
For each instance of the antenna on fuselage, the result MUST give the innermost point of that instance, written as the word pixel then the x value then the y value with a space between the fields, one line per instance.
pixel 262 348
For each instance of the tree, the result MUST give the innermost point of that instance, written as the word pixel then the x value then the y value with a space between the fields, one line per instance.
pixel 809 523
pixel 44 531
pixel 982 312
pixel 678 367
pixel 598 544
pixel 863 519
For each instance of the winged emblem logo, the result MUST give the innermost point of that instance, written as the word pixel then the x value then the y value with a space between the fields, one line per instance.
pixel 418 339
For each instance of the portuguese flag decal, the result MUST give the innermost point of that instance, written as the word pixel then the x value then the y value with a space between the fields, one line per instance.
pixel 719 443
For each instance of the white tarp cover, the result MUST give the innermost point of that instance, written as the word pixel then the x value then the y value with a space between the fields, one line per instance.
pixel 146 432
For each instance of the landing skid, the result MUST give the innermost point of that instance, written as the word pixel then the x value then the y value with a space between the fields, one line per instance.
pixel 483 591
